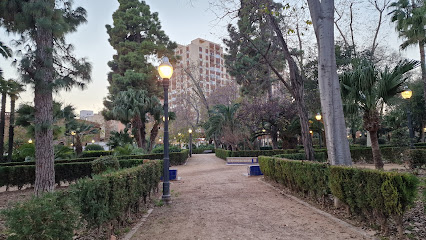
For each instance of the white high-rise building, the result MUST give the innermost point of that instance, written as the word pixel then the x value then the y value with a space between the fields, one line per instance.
pixel 85 114
pixel 204 61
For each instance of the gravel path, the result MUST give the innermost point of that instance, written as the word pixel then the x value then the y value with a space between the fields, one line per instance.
pixel 216 201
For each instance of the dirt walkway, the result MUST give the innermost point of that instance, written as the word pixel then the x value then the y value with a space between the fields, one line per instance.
pixel 216 201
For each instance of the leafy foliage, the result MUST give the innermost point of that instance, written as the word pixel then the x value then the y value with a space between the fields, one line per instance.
pixel 94 147
pixel 104 164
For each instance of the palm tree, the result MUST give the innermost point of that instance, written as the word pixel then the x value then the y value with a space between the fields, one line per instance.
pixel 80 128
pixel 5 51
pixel 410 18
pixel 222 118
pixel 367 89
pixel 132 106
pixel 14 89
pixel 4 88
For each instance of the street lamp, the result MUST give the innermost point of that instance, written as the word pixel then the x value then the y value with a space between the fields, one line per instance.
pixel 318 117
pixel 190 142
pixel 93 141
pixel 166 71
pixel 406 94
pixel 30 141
pixel 73 133
pixel 263 137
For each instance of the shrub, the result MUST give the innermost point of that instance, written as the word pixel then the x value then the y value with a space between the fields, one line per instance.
pixel 160 149
pixel 96 154
pixel 63 152
pixel 308 178
pixel 51 216
pixel 23 152
pixel 105 163
pixel 366 192
pixel 94 147
pixel 416 158
pixel 222 153
pixel 319 156
pixel 375 194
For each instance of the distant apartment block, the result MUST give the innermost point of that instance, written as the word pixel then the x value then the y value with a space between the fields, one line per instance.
pixel 204 61
pixel 85 114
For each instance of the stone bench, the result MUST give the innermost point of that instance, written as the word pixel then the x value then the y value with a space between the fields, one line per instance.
pixel 242 160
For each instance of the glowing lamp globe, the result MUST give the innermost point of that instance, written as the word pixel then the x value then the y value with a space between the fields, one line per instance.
pixel 165 69
pixel 263 130
pixel 407 93
pixel 318 117
pixel 30 141
pixel 190 130
pixel 93 140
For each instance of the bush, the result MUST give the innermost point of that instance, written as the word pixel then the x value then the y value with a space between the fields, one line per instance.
pixel 222 153
pixel 375 194
pixel 105 198
pixel 63 152
pixel 160 149
pixel 51 216
pixel 366 192
pixel 105 163
pixel 23 152
pixel 96 154
pixel 319 156
pixel 416 158
pixel 308 178
pixel 94 147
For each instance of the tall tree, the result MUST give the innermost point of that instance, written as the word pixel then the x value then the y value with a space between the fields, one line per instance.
pixel 322 14
pixel 4 88
pixel 259 35
pixel 410 18
pixel 47 64
pixel 14 89
pixel 137 37
pixel 368 89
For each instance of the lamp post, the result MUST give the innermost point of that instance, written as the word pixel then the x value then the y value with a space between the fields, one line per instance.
pixel 190 142
pixel 263 137
pixel 30 141
pixel 406 94
pixel 166 70
pixel 73 134
pixel 318 117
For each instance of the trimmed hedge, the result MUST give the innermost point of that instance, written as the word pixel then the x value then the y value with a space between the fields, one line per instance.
pixel 375 194
pixel 64 172
pixel 416 158
pixel 176 158
pixel 200 151
pixel 107 198
pixel 319 156
pixel 309 178
pixel 221 153
pixel 87 154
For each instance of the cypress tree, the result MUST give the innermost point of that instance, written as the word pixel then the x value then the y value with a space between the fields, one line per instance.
pixel 137 37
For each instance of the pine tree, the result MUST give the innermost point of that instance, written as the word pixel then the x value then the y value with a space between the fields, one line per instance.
pixel 47 64
pixel 137 36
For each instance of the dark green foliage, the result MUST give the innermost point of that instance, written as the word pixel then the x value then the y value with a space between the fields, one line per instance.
pixel 121 138
pixel 319 156
pixel 25 151
pixel 105 163
pixel 94 147
pixel 88 154
pixel 416 158
pixel 63 152
pixel 377 194
pixel 103 199
pixel 51 216
pixel 389 154
pixel 304 177
pixel 220 153
pixel 109 197
pixel 160 149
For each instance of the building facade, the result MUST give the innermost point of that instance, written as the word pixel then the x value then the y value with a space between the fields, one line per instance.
pixel 201 66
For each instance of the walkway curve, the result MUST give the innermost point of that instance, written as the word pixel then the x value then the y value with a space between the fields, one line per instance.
pixel 216 201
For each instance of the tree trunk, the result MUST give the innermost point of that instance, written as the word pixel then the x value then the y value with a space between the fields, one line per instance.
pixel 154 133
pixel 11 129
pixel 322 14
pixel 136 125
pixel 142 132
pixel 423 66
pixel 377 156
pixel 43 104
pixel 2 123
pixel 78 146
pixel 274 136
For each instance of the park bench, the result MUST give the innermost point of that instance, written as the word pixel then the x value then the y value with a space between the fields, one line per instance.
pixel 241 160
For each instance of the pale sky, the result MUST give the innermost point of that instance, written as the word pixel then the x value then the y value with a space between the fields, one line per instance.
pixel 182 21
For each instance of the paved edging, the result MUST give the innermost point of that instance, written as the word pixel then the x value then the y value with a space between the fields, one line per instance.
pixel 325 214
pixel 132 232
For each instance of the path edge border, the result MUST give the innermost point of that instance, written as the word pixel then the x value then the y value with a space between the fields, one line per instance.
pixel 132 232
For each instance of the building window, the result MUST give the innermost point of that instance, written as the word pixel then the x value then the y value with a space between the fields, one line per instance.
pixel 200 49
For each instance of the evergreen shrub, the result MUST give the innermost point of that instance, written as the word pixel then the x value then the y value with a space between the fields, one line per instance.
pixel 319 156
pixel 416 158
pixel 94 147
pixel 105 163
pixel 87 154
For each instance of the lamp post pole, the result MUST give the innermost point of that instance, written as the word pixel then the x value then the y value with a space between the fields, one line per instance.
pixel 318 117
pixel 166 70
pixel 190 142
pixel 406 94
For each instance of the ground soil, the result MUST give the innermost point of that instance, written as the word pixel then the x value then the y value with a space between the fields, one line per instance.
pixel 217 201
